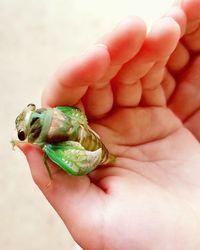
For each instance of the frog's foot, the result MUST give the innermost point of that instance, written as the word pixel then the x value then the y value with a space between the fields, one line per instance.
pixel 45 158
pixel 14 143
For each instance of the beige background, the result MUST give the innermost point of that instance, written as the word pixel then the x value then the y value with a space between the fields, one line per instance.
pixel 36 36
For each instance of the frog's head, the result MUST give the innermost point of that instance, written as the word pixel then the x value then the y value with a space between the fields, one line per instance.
pixel 29 123
pixel 22 122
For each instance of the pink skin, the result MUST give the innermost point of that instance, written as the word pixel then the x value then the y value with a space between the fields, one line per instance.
pixel 149 199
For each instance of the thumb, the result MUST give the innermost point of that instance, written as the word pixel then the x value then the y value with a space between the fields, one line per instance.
pixel 60 179
pixel 69 195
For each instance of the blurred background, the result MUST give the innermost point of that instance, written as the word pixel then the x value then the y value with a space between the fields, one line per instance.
pixel 36 36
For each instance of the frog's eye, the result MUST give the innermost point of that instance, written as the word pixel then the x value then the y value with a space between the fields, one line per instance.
pixel 21 135
pixel 33 121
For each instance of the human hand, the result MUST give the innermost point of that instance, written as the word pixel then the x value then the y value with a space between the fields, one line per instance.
pixel 149 199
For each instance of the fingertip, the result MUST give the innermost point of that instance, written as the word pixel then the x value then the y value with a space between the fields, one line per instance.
pixel 191 8
pixel 179 16
pixel 125 40
pixel 71 81
pixel 165 25
pixel 86 68
pixel 163 37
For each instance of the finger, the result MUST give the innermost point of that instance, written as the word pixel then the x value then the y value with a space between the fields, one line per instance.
pixel 40 175
pixel 192 11
pixel 165 32
pixel 158 45
pixel 71 82
pixel 155 76
pixel 98 102
pixel 153 94
pixel 192 26
pixel 178 59
pixel 153 97
pixel 186 99
pixel 179 16
pixel 127 95
pixel 168 84
pixel 152 91
pixel 122 43
pixel 39 172
pixel 125 40
pixel 191 41
pixel 180 56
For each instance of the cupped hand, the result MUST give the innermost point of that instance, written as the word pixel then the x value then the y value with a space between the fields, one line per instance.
pixel 148 199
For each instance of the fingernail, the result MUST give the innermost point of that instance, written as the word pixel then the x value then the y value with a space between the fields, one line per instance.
pixel 101 45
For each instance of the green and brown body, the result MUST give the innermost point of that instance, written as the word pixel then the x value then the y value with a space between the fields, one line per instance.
pixel 65 137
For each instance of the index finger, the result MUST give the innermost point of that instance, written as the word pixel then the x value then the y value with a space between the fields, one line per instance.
pixel 70 83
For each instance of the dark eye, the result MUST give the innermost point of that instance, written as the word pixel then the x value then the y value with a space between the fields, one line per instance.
pixel 21 135
pixel 34 120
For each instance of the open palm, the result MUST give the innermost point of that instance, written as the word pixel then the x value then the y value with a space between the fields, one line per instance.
pixel 149 199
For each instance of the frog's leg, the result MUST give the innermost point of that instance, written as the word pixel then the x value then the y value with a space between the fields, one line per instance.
pixel 73 158
pixel 45 158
